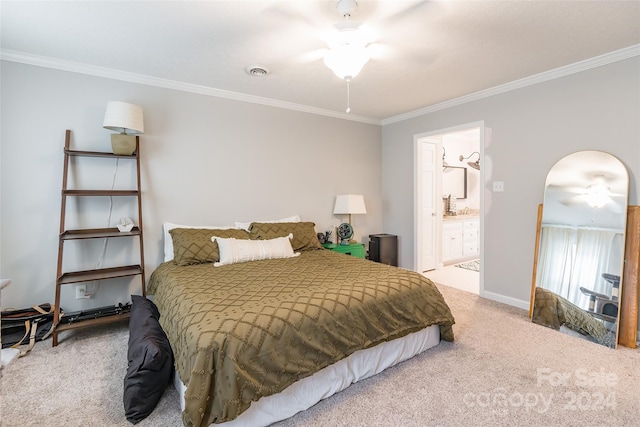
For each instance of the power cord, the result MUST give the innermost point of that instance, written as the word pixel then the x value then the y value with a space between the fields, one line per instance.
pixel 96 284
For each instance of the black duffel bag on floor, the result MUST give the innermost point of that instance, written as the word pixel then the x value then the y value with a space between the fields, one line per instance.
pixel 26 326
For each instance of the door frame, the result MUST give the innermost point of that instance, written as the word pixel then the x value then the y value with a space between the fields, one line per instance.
pixel 432 136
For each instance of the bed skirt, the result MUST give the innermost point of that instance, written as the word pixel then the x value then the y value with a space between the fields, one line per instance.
pixel 306 392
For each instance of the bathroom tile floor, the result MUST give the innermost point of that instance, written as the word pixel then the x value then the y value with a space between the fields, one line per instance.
pixel 456 277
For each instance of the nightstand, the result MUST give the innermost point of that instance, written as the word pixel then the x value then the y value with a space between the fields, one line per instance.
pixel 353 249
pixel 383 248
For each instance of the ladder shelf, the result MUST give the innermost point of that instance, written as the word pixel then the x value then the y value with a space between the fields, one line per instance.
pixel 70 277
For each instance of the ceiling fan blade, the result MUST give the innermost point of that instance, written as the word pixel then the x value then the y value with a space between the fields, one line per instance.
pixel 576 189
pixel 583 200
pixel 391 11
pixel 311 13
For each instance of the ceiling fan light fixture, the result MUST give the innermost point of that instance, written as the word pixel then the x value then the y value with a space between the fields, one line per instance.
pixel 598 195
pixel 349 33
pixel 348 46
pixel 346 61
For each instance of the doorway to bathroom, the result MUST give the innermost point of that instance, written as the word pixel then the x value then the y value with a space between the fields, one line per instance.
pixel 449 205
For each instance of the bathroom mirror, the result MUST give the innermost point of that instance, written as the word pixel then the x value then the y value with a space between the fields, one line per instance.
pixel 577 275
pixel 454 181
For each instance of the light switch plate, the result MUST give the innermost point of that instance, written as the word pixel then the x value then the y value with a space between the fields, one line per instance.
pixel 498 186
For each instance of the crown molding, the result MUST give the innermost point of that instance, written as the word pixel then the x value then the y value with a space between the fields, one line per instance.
pixel 110 73
pixel 587 64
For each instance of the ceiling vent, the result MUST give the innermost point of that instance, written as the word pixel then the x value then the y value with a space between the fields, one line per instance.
pixel 257 71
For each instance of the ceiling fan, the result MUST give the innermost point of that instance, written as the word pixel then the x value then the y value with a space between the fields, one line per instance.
pixel 350 43
pixel 348 46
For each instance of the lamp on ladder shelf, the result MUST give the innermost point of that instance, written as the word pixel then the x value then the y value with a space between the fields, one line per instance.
pixel 128 119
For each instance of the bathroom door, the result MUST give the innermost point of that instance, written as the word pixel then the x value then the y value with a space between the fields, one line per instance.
pixel 429 213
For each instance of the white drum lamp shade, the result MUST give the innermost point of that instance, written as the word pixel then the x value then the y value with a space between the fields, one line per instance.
pixel 349 204
pixel 128 120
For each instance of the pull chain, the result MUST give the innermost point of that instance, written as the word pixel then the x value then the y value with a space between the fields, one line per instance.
pixel 348 96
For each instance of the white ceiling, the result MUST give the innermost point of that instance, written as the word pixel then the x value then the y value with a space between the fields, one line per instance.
pixel 427 52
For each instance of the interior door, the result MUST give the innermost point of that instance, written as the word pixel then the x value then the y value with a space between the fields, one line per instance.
pixel 429 214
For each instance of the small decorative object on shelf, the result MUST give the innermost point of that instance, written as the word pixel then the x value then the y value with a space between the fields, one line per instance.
pixel 126 224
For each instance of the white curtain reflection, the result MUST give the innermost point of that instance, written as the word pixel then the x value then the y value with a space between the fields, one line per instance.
pixel 555 259
pixel 573 258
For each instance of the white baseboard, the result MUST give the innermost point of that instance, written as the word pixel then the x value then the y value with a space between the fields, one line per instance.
pixel 506 300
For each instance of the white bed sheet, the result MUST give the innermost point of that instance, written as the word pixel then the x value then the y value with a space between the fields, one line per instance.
pixel 308 391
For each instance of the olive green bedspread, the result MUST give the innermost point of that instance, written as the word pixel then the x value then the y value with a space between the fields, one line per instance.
pixel 243 331
pixel 553 311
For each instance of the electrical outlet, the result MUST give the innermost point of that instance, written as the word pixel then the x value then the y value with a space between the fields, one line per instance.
pixel 498 186
pixel 81 292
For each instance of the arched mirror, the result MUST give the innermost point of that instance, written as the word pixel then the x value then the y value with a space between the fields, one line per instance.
pixel 580 254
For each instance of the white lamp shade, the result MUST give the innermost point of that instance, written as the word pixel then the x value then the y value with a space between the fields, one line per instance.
pixel 124 117
pixel 349 204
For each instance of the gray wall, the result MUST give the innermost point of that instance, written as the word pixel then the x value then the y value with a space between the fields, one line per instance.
pixel 532 128
pixel 206 161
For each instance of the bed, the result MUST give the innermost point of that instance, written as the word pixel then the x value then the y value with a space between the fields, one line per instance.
pixel 553 311
pixel 245 333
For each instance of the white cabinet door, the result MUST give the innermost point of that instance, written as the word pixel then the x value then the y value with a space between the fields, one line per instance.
pixel 452 243
pixel 470 237
pixel 460 239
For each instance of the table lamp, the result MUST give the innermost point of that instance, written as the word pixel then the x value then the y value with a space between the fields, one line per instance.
pixel 128 119
pixel 348 204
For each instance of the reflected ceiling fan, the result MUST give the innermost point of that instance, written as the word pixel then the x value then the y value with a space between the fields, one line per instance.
pixel 597 194
pixel 598 201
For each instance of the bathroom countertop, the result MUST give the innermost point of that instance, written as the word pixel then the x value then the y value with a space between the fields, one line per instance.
pixel 465 216
pixel 465 213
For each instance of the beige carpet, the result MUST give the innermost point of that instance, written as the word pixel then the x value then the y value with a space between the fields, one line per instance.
pixel 501 370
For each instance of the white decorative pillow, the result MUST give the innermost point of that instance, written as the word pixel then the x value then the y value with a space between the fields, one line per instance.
pixel 233 251
pixel 246 225
pixel 168 241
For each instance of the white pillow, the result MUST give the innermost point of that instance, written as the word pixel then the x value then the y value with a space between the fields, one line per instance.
pixel 246 225
pixel 168 242
pixel 233 251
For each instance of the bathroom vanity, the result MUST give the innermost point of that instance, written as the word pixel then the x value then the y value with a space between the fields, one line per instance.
pixel 460 238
